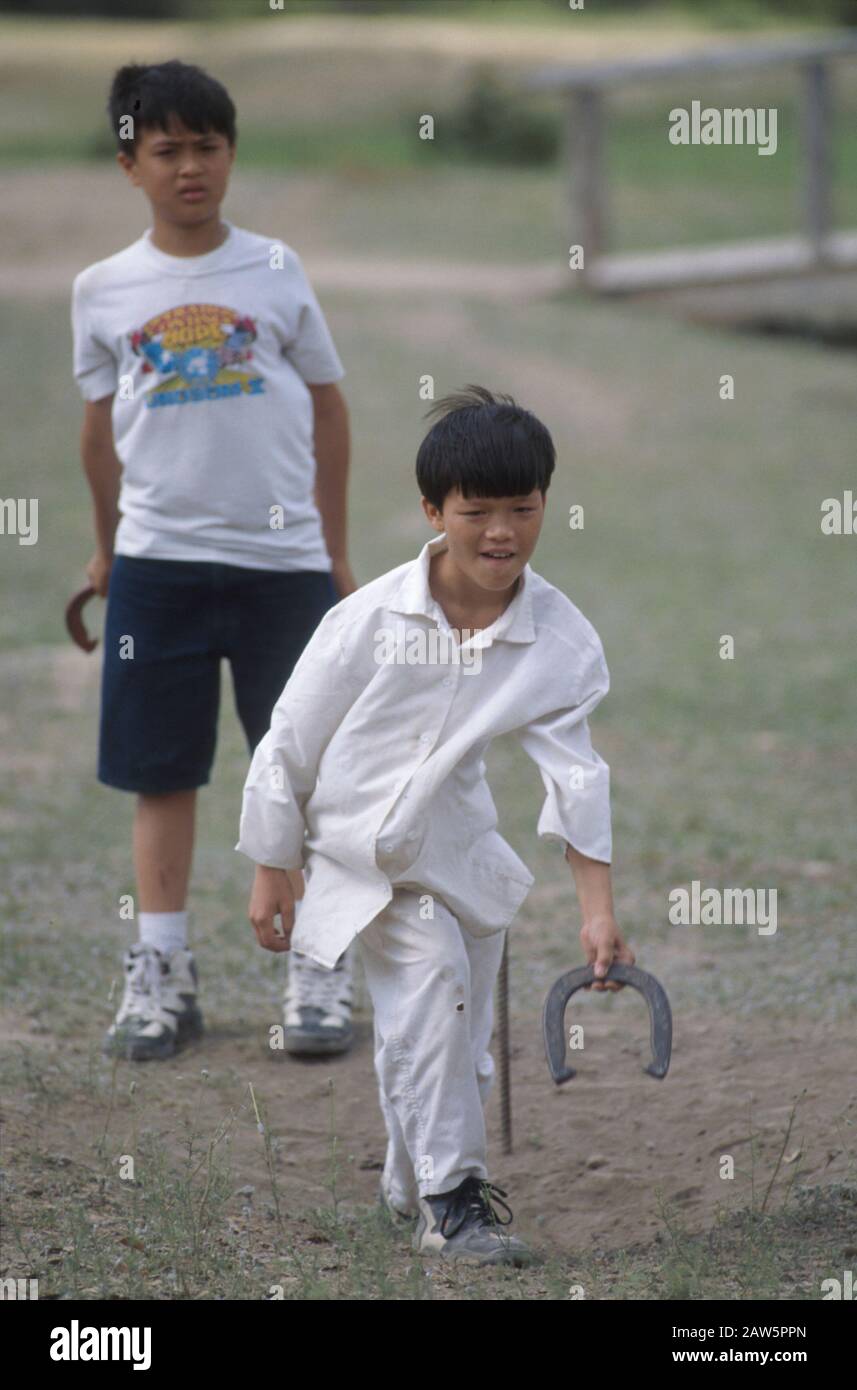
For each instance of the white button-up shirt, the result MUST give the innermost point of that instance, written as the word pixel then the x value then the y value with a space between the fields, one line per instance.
pixel 372 771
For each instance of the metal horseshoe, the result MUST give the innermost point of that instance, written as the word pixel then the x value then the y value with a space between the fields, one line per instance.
pixel 74 619
pixel 660 1016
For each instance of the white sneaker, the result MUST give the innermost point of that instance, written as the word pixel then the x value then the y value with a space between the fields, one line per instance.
pixel 317 1006
pixel 159 1012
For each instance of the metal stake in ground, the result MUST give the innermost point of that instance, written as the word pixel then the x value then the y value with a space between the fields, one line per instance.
pixel 503 1035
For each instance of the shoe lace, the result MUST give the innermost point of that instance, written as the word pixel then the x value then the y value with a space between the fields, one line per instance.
pixel 477 1196
pixel 143 985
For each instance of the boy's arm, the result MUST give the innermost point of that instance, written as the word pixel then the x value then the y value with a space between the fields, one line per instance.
pixel 576 780
pixel 600 936
pixel 331 479
pixel 576 812
pixel 103 471
pixel 96 373
pixel 283 774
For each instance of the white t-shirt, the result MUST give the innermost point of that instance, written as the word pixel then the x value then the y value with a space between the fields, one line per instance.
pixel 209 357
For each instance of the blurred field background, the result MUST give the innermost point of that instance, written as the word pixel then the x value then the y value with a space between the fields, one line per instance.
pixel 702 517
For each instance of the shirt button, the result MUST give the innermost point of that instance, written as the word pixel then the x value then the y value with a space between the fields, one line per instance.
pixel 412 834
pixel 425 738
pixel 447 680
pixel 388 849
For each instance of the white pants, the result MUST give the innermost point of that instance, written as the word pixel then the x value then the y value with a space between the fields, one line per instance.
pixel 432 989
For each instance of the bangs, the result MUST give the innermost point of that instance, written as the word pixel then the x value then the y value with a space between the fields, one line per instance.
pixel 485 446
pixel 151 95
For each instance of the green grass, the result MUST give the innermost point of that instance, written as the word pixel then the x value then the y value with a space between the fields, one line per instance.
pixel 702 518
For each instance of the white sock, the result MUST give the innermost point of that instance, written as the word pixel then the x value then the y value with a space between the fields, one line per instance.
pixel 166 931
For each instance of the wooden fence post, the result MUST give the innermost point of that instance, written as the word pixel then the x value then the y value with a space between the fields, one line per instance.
pixel 817 118
pixel 585 132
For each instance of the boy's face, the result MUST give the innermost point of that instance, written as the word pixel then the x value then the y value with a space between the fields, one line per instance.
pixel 490 538
pixel 169 164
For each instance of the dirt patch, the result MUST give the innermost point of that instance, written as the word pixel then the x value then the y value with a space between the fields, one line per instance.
pixel 594 1162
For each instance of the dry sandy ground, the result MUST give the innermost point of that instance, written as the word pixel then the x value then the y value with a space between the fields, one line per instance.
pixel 591 1161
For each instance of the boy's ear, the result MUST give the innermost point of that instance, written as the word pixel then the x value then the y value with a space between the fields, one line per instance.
pixel 433 514
pixel 128 165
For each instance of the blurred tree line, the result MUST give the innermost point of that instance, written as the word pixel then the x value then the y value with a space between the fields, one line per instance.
pixel 726 12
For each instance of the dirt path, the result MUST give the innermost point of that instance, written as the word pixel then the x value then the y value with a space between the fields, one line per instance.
pixel 99 43
pixel 96 223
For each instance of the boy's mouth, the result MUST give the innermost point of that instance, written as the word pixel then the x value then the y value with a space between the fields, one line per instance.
pixel 497 557
pixel 193 195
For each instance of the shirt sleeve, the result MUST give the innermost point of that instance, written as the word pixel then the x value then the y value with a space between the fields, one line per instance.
pixel 312 352
pixel 284 768
pixel 576 809
pixel 95 367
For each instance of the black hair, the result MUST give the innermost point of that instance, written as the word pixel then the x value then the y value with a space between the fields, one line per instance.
pixel 486 445
pixel 152 92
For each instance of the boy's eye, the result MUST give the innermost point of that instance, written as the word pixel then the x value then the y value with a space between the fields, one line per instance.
pixel 202 147
pixel 482 513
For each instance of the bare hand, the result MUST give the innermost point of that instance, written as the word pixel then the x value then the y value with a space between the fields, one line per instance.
pixel 98 572
pixel 272 895
pixel 603 944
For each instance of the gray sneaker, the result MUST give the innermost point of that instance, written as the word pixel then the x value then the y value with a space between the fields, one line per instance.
pixel 317 1006
pixel 462 1225
pixel 159 1012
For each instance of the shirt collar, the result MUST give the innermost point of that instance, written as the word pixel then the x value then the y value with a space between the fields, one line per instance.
pixel 515 623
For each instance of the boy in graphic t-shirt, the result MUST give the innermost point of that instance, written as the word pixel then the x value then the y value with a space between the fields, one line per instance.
pixel 215 442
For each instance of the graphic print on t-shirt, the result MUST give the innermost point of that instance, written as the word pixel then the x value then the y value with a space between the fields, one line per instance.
pixel 197 351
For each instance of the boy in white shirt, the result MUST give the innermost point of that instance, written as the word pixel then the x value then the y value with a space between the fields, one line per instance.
pixel 210 382
pixel 371 779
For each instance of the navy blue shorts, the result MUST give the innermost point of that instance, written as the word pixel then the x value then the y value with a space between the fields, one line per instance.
pixel 158 726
